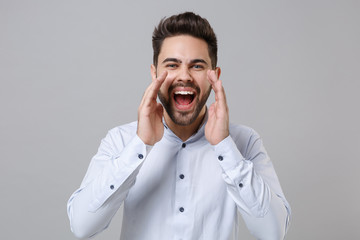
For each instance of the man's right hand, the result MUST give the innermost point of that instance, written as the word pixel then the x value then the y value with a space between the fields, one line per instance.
pixel 150 126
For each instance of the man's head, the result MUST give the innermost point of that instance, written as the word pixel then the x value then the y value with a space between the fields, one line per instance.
pixel 186 23
pixel 185 47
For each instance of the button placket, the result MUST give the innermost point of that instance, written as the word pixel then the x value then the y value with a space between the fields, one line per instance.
pixel 181 190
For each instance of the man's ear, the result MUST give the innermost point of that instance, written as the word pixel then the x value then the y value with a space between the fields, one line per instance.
pixel 218 72
pixel 153 72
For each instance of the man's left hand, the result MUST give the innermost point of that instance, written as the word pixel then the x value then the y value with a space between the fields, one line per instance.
pixel 217 127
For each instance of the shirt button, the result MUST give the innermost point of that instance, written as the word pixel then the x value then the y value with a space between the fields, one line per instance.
pixel 183 145
pixel 181 209
pixel 220 158
pixel 181 176
pixel 111 187
pixel 241 185
pixel 140 156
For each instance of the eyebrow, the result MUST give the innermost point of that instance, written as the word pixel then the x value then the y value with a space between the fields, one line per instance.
pixel 179 61
pixel 172 60
pixel 198 61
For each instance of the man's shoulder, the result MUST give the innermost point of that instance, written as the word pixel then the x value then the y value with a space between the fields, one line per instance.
pixel 244 137
pixel 242 133
pixel 240 129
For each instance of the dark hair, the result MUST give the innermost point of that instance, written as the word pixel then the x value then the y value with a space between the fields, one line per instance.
pixel 186 23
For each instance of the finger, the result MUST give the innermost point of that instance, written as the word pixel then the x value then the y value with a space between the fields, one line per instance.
pixel 153 88
pixel 217 86
pixel 158 81
pixel 160 110
pixel 211 110
pixel 212 77
pixel 155 77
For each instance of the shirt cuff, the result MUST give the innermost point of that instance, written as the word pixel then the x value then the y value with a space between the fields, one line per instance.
pixel 228 154
pixel 132 155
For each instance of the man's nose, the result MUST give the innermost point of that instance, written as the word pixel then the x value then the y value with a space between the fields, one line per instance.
pixel 184 74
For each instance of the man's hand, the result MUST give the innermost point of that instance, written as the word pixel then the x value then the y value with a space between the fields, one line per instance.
pixel 217 127
pixel 150 126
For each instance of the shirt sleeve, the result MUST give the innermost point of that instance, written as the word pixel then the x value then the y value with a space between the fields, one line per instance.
pixel 111 174
pixel 254 186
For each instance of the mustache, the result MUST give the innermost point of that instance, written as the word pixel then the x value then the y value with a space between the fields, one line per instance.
pixel 187 85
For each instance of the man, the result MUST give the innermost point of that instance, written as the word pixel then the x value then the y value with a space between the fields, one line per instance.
pixel 183 172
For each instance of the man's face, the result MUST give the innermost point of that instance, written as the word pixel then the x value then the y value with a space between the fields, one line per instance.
pixel 186 88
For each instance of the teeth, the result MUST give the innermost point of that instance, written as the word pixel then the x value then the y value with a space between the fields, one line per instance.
pixel 184 92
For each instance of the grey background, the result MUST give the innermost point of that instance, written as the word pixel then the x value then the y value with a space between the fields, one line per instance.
pixel 71 70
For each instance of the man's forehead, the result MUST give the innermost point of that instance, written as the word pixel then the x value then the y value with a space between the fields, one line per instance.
pixel 185 48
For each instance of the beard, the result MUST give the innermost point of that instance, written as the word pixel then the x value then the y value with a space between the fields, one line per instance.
pixel 184 118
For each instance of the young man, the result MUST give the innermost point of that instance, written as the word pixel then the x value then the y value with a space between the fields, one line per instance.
pixel 183 172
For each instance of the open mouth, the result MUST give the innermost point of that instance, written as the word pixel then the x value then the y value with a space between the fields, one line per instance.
pixel 184 99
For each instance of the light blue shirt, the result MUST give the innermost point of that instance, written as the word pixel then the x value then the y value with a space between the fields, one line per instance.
pixel 181 190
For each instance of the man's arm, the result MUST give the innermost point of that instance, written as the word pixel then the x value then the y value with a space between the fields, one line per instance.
pixel 253 184
pixel 251 179
pixel 112 171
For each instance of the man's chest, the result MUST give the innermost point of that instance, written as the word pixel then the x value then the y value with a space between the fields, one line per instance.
pixel 176 176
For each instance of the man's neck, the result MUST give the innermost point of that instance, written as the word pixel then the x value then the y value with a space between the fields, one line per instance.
pixel 185 132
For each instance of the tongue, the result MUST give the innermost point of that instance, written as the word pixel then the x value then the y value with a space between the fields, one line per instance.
pixel 183 99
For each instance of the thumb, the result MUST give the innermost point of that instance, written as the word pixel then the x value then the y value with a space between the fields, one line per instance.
pixel 211 109
pixel 159 110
